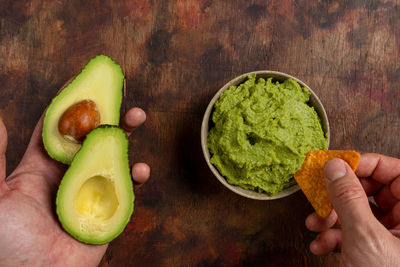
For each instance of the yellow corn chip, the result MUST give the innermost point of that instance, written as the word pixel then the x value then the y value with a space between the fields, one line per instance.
pixel 311 176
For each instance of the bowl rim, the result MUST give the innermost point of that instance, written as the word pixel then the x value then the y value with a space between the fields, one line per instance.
pixel 280 76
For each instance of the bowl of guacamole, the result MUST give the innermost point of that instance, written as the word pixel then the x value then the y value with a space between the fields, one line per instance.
pixel 257 129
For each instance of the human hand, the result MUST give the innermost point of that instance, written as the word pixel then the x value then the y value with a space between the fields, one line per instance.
pixel 365 233
pixel 30 234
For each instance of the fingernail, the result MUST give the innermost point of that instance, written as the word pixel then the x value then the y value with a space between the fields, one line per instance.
pixel 395 232
pixel 334 169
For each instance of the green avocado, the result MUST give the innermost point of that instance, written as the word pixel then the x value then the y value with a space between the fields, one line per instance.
pixel 95 198
pixel 101 81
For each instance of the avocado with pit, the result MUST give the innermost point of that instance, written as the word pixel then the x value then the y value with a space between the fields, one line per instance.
pixel 91 99
pixel 95 198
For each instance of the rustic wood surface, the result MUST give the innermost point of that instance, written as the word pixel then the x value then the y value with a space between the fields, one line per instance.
pixel 176 55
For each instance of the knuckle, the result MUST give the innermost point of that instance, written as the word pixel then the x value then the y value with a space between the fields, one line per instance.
pixel 346 193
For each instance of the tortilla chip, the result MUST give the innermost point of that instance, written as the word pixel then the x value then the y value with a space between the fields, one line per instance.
pixel 311 176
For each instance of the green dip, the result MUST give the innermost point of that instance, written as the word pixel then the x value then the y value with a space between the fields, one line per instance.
pixel 262 131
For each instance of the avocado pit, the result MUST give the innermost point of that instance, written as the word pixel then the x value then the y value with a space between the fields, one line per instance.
pixel 78 120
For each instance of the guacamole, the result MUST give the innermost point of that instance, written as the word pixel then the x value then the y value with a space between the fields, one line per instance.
pixel 262 131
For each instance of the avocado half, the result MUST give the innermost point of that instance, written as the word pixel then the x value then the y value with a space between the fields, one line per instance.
pixel 95 199
pixel 100 81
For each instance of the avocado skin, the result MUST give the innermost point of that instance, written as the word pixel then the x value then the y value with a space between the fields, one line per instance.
pixel 88 143
pixel 48 129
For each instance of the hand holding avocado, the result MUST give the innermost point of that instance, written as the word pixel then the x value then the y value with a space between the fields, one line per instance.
pixel 95 196
pixel 366 235
pixel 30 231
pixel 95 199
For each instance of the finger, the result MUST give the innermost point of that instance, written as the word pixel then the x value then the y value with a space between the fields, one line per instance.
pixel 140 173
pixel 387 220
pixel 395 232
pixel 385 199
pixel 35 147
pixel 371 187
pixel 378 213
pixel 133 119
pixel 395 188
pixel 317 224
pixel 327 241
pixel 382 169
pixel 346 194
pixel 36 138
pixel 396 213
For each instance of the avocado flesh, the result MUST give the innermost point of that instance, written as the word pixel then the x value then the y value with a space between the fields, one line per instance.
pixel 101 81
pixel 95 198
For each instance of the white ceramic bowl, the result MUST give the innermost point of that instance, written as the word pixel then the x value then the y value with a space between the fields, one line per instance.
pixel 279 76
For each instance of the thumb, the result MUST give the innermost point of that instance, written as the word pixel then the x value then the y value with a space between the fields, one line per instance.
pixel 347 196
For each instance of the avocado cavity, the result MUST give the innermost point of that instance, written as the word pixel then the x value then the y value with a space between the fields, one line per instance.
pixel 95 198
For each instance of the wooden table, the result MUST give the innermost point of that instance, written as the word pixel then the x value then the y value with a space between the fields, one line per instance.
pixel 176 55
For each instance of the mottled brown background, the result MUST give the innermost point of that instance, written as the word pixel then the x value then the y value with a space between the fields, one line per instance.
pixel 176 55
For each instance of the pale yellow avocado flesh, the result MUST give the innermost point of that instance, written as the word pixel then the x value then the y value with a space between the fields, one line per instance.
pixel 95 197
pixel 100 81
